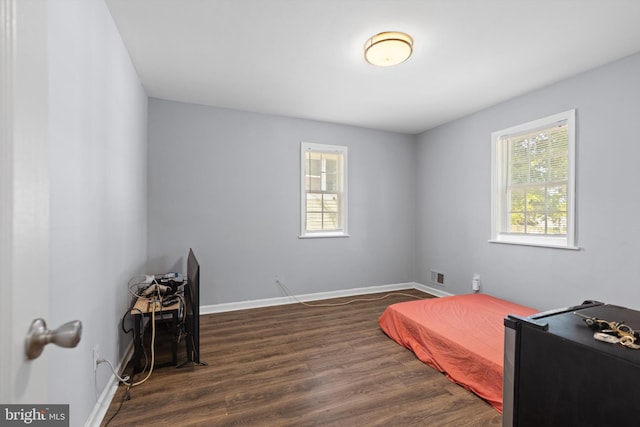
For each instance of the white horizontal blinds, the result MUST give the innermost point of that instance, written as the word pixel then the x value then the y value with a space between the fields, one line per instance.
pixel 537 181
pixel 323 188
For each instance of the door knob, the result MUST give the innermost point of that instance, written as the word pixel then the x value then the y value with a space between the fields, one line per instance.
pixel 67 335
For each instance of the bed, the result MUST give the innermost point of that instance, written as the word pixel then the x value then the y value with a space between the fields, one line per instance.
pixel 461 336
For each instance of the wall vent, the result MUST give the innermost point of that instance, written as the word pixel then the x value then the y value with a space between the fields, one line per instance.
pixel 437 277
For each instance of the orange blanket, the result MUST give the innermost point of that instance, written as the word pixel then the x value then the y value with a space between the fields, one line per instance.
pixel 461 336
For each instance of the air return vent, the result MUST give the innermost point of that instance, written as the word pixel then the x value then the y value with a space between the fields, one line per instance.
pixel 437 277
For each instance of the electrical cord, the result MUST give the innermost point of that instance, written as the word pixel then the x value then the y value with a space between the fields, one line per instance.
pixel 121 379
pixel 181 310
pixel 153 343
pixel 136 294
pixel 126 396
pixel 155 299
pixel 130 286
pixel 125 380
pixel 197 355
pixel 338 304
pixel 127 313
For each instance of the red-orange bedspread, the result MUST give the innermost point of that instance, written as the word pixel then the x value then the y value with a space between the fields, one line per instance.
pixel 461 336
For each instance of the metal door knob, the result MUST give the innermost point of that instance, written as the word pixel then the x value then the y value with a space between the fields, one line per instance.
pixel 67 335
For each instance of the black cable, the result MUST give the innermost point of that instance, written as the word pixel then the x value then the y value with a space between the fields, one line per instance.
pixel 193 345
pixel 128 312
pixel 125 396
pixel 126 331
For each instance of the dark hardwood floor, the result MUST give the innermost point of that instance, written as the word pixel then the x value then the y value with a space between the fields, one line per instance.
pixel 295 365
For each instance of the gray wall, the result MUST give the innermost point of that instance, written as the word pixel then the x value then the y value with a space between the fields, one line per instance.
pixel 97 135
pixel 453 203
pixel 227 183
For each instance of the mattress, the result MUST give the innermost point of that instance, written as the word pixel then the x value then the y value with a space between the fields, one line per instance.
pixel 461 336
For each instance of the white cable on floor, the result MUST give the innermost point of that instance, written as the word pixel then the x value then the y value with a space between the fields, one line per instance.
pixel 337 304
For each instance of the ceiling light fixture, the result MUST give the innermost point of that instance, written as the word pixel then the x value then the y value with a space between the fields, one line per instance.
pixel 388 48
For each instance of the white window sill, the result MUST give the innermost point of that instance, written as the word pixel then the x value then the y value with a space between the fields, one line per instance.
pixel 323 235
pixel 538 244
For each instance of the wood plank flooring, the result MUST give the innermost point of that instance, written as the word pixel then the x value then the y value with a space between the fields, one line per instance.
pixel 295 365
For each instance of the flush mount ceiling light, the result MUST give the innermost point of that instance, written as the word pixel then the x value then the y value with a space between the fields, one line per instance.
pixel 388 48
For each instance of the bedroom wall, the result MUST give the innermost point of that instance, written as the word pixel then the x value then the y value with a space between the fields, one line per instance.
pixel 227 184
pixel 453 203
pixel 97 135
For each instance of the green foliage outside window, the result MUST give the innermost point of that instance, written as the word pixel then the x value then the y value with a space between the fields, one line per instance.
pixel 538 181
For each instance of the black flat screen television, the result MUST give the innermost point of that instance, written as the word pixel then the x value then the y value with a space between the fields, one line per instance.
pixel 192 308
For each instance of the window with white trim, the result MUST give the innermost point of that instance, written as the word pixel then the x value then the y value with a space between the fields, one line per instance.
pixel 324 190
pixel 533 183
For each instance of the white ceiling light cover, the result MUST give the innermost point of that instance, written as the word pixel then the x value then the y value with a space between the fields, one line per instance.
pixel 388 48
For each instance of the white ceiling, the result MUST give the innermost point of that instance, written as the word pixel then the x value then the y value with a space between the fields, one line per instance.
pixel 303 58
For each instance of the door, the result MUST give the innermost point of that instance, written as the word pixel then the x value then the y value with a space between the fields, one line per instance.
pixel 24 196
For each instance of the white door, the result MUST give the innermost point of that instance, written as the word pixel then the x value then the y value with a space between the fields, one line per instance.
pixel 24 196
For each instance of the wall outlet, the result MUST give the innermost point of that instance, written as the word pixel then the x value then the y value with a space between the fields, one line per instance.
pixel 96 356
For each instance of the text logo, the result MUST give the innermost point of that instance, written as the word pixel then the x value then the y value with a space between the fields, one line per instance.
pixel 34 415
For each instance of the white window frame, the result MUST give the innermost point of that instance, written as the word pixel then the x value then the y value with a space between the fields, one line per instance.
pixel 499 204
pixel 323 148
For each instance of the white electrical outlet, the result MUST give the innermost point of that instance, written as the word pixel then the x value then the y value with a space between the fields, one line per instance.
pixel 96 356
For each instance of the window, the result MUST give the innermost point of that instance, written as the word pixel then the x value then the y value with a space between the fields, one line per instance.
pixel 533 197
pixel 324 190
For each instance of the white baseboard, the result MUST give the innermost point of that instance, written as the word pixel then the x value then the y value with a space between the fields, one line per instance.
pixel 268 302
pixel 104 401
pixel 433 291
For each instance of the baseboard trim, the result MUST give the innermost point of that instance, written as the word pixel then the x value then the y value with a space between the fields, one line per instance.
pixel 433 291
pixel 268 302
pixel 104 401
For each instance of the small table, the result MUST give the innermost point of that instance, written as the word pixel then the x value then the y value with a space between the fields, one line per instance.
pixel 145 307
